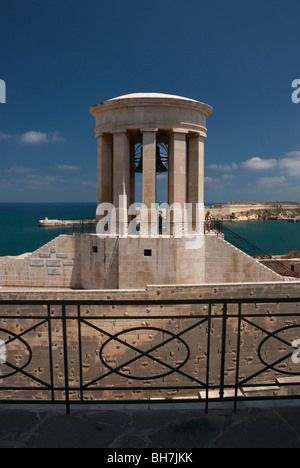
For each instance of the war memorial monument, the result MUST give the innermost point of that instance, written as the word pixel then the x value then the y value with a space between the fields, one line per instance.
pixel 148 305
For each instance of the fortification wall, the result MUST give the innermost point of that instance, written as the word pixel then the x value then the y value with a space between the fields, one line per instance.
pixel 51 266
pixel 86 261
pixel 219 211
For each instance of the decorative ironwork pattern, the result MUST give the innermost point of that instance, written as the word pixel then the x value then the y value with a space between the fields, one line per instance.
pixel 142 354
pixel 138 351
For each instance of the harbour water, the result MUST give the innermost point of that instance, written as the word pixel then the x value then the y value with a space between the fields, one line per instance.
pixel 19 229
pixel 273 237
pixel 20 232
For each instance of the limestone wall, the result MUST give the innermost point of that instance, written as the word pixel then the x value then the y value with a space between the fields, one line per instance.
pixel 159 261
pixel 283 289
pixel 53 265
pixel 97 259
pixel 227 264
pixel 86 261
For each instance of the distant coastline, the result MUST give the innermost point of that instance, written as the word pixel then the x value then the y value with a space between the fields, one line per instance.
pixel 235 212
pixel 21 233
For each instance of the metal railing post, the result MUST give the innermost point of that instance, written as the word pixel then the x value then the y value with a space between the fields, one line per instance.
pixel 238 352
pixel 66 367
pixel 223 352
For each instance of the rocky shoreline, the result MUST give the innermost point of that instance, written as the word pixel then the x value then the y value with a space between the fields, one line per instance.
pixel 235 212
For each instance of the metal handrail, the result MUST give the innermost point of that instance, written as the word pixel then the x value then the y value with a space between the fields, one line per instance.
pixel 142 228
pixel 84 226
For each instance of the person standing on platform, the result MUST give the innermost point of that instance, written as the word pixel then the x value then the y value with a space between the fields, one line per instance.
pixel 207 222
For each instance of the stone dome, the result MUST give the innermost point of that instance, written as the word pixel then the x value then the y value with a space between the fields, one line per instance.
pixel 151 95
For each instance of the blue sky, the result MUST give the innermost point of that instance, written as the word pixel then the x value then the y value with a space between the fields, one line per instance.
pixel 59 57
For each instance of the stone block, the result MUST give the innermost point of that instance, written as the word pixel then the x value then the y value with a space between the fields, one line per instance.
pixel 260 391
pixel 288 380
pixel 215 394
pixel 54 271
pixel 62 255
pixel 36 262
pixel 53 263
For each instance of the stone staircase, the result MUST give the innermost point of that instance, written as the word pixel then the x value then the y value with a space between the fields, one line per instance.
pixel 225 263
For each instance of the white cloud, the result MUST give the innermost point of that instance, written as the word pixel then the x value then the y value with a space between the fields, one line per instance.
pixel 272 181
pixel 34 137
pixel 258 163
pixel 5 136
pixel 289 164
pixel 55 137
pixel 20 170
pixel 224 167
pixel 228 176
pixel 211 180
pixel 66 167
pixel 295 154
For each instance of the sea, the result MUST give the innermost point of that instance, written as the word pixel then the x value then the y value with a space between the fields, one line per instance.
pixel 19 224
pixel 20 231
pixel 271 236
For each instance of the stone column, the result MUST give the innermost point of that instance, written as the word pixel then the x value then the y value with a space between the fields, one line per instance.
pixel 121 173
pixel 132 174
pixel 149 180
pixel 195 175
pixel 105 161
pixel 177 177
pixel 149 168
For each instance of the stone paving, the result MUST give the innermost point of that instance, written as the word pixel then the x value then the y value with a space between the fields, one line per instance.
pixel 158 428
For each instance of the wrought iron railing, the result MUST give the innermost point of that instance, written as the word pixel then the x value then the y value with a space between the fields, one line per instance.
pixel 162 351
pixel 79 225
pixel 135 228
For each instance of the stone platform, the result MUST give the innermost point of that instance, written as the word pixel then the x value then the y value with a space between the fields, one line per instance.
pixel 154 428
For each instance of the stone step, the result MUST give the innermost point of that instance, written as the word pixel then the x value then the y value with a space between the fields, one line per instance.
pixel 288 380
pixel 215 394
pixel 260 391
